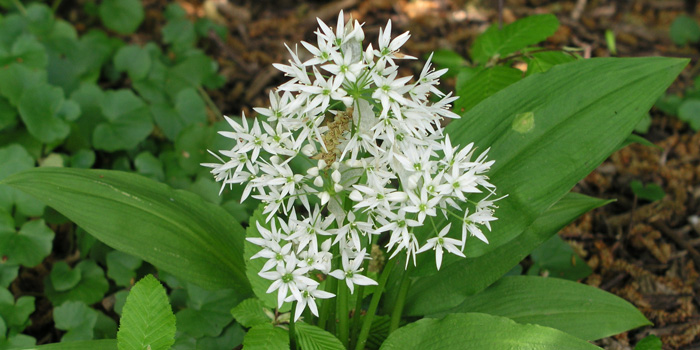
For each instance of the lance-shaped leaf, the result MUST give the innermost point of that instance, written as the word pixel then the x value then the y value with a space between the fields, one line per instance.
pixel 174 230
pixel 578 309
pixel 480 331
pixel 548 131
pixel 431 295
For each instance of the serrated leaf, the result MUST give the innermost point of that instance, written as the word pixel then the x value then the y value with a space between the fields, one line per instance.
pixel 27 247
pixel 63 277
pixel 147 320
pixel 266 337
pixel 513 37
pixel 174 230
pixel 480 331
pixel 577 309
pixel 121 16
pixel 121 267
pixel 77 319
pixel 250 313
pixel 314 338
pixel 92 286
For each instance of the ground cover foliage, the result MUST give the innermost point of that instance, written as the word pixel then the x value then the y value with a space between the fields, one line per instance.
pixel 101 98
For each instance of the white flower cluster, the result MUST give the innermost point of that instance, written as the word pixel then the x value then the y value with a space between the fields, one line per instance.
pixel 379 164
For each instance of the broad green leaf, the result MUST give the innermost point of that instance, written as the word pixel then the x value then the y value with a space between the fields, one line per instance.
pixel 480 331
pixel 179 33
pixel 266 337
pixel 484 84
pixel 651 191
pixel 63 277
pixel 40 19
pixel 643 126
pixel 19 341
pixel 174 230
pixel 314 338
pixel 207 312
pixel 8 114
pixel 77 319
pixel 26 50
pixel 556 258
pixel 689 112
pixel 104 344
pixel 468 276
pixel 129 122
pixel 39 109
pixel 121 267
pixel 15 158
pixel 231 337
pixel 189 109
pixel 8 274
pixel 578 309
pixel 16 79
pixel 27 247
pixel 150 166
pixel 105 327
pixel 250 313
pixel 669 104
pixel 121 16
pixel 90 98
pixel 92 286
pixel 513 37
pixel 134 60
pixel 147 320
pixel 684 30
pixel 83 159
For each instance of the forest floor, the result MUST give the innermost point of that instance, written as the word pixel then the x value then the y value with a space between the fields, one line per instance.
pixel 645 252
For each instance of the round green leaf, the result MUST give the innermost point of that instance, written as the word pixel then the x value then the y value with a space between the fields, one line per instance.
pixel 63 277
pixel 148 165
pixel 129 122
pixel 134 60
pixel 684 30
pixel 480 331
pixel 91 288
pixel 77 318
pixel 121 16
pixel 84 158
pixel 16 79
pixel 8 274
pixel 39 107
pixel 689 112
pixel 121 267
pixel 27 247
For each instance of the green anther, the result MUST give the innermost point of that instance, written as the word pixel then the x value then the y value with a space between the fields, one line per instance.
pixel 422 207
pixel 401 223
pixel 349 274
pixel 290 179
pixel 279 257
pixel 440 241
pixel 380 196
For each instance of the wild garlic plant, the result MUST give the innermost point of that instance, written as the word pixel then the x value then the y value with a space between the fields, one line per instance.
pixel 380 165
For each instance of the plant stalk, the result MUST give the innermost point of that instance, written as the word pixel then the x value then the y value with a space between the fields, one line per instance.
pixel 367 323
pixel 292 328
pixel 400 302
pixel 343 321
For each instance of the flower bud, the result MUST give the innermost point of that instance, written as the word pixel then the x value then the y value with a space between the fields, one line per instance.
pixel 356 196
pixel 322 164
pixel 318 181
pixel 308 150
pixel 335 175
pixel 338 187
pixel 325 197
pixel 312 171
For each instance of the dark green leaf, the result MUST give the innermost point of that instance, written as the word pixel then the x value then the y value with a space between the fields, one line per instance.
pixel 63 277
pixel 77 318
pixel 121 267
pixel 513 37
pixel 150 166
pixel 27 247
pixel 179 33
pixel 669 104
pixel 578 309
pixel 104 344
pixel 207 312
pixel 39 108
pixel 16 79
pixel 91 288
pixel 15 313
pixel 651 191
pixel 8 273
pixel 134 60
pixel 8 114
pixel 689 112
pixel 684 30
pixel 121 16
pixel 83 159
pixel 650 342
pixel 173 230
pixel 480 331
pixel 129 122
pixel 555 258
pixel 147 320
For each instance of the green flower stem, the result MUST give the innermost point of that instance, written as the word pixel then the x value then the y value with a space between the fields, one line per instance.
pixel 400 301
pixel 343 321
pixel 328 306
pixel 210 103
pixel 292 328
pixel 20 7
pixel 367 323
pixel 358 310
